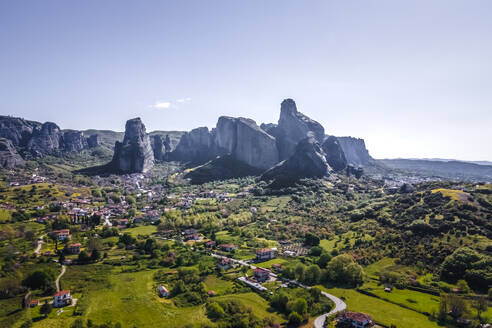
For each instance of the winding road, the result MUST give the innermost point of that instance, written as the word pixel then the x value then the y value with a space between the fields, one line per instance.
pixel 57 282
pixel 319 322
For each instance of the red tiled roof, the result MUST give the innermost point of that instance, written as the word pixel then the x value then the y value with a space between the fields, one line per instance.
pixel 263 250
pixel 75 245
pixel 361 317
pixel 63 292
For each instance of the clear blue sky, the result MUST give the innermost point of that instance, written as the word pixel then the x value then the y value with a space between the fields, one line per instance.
pixel 413 78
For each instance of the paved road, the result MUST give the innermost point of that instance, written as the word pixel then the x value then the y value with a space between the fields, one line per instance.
pixel 319 321
pixel 57 282
pixel 340 305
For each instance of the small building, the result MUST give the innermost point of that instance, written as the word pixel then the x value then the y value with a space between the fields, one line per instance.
pixel 163 292
pixel 228 247
pixel 225 263
pixel 261 275
pixel 265 254
pixel 356 319
pixel 74 248
pixel 211 293
pixel 33 303
pixel 62 298
pixel 277 267
pixel 210 244
pixel 62 234
pixel 193 236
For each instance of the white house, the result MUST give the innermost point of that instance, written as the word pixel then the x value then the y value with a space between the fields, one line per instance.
pixel 163 292
pixel 62 298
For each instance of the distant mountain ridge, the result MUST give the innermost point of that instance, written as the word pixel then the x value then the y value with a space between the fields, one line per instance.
pixel 453 170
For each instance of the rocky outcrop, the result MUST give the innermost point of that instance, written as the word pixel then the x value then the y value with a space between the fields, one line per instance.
pixel 9 158
pixel 245 141
pixel 17 130
pixel 351 170
pixel 270 128
pixel 196 146
pixel 160 147
pixel 308 161
pixel 334 154
pixel 74 141
pixel 293 127
pixel 46 140
pixel 355 151
pixel 93 141
pixel 134 154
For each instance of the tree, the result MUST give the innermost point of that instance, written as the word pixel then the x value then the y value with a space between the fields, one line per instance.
pixel 455 305
pixel 311 239
pixel 299 306
pixel 481 305
pixel 455 265
pixel 215 311
pixel 38 280
pixel 323 260
pixel 83 257
pixel 295 319
pixel 315 293
pixel 279 301
pixel 45 308
pixel 78 323
pixel 343 269
pixel 312 275
pixel 463 286
pixel 95 255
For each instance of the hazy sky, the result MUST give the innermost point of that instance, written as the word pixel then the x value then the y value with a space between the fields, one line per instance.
pixel 413 78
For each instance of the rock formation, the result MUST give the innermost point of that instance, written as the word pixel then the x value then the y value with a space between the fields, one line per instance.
pixel 196 146
pixel 17 130
pixel 167 143
pixel 308 161
pixel 74 141
pixel 245 141
pixel 351 170
pixel 93 141
pixel 134 154
pixel 334 153
pixel 355 151
pixel 9 158
pixel 293 127
pixel 47 140
pixel 158 147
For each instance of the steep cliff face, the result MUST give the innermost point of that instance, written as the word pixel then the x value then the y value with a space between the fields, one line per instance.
pixel 293 127
pixel 17 130
pixel 93 141
pixel 196 146
pixel 158 147
pixel 134 154
pixel 246 141
pixel 308 161
pixel 74 141
pixel 355 151
pixel 334 154
pixel 47 140
pixel 9 158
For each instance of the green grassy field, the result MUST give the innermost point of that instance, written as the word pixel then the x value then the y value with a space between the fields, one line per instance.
pixel 258 305
pixel 145 230
pixel 219 286
pixel 382 311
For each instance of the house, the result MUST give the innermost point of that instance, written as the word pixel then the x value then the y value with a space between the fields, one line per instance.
pixel 228 247
pixel 193 236
pixel 163 292
pixel 265 254
pixel 356 319
pixel 211 293
pixel 74 248
pixel 210 244
pixel 277 267
pixel 62 234
pixel 33 303
pixel 62 298
pixel 225 263
pixel 261 275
